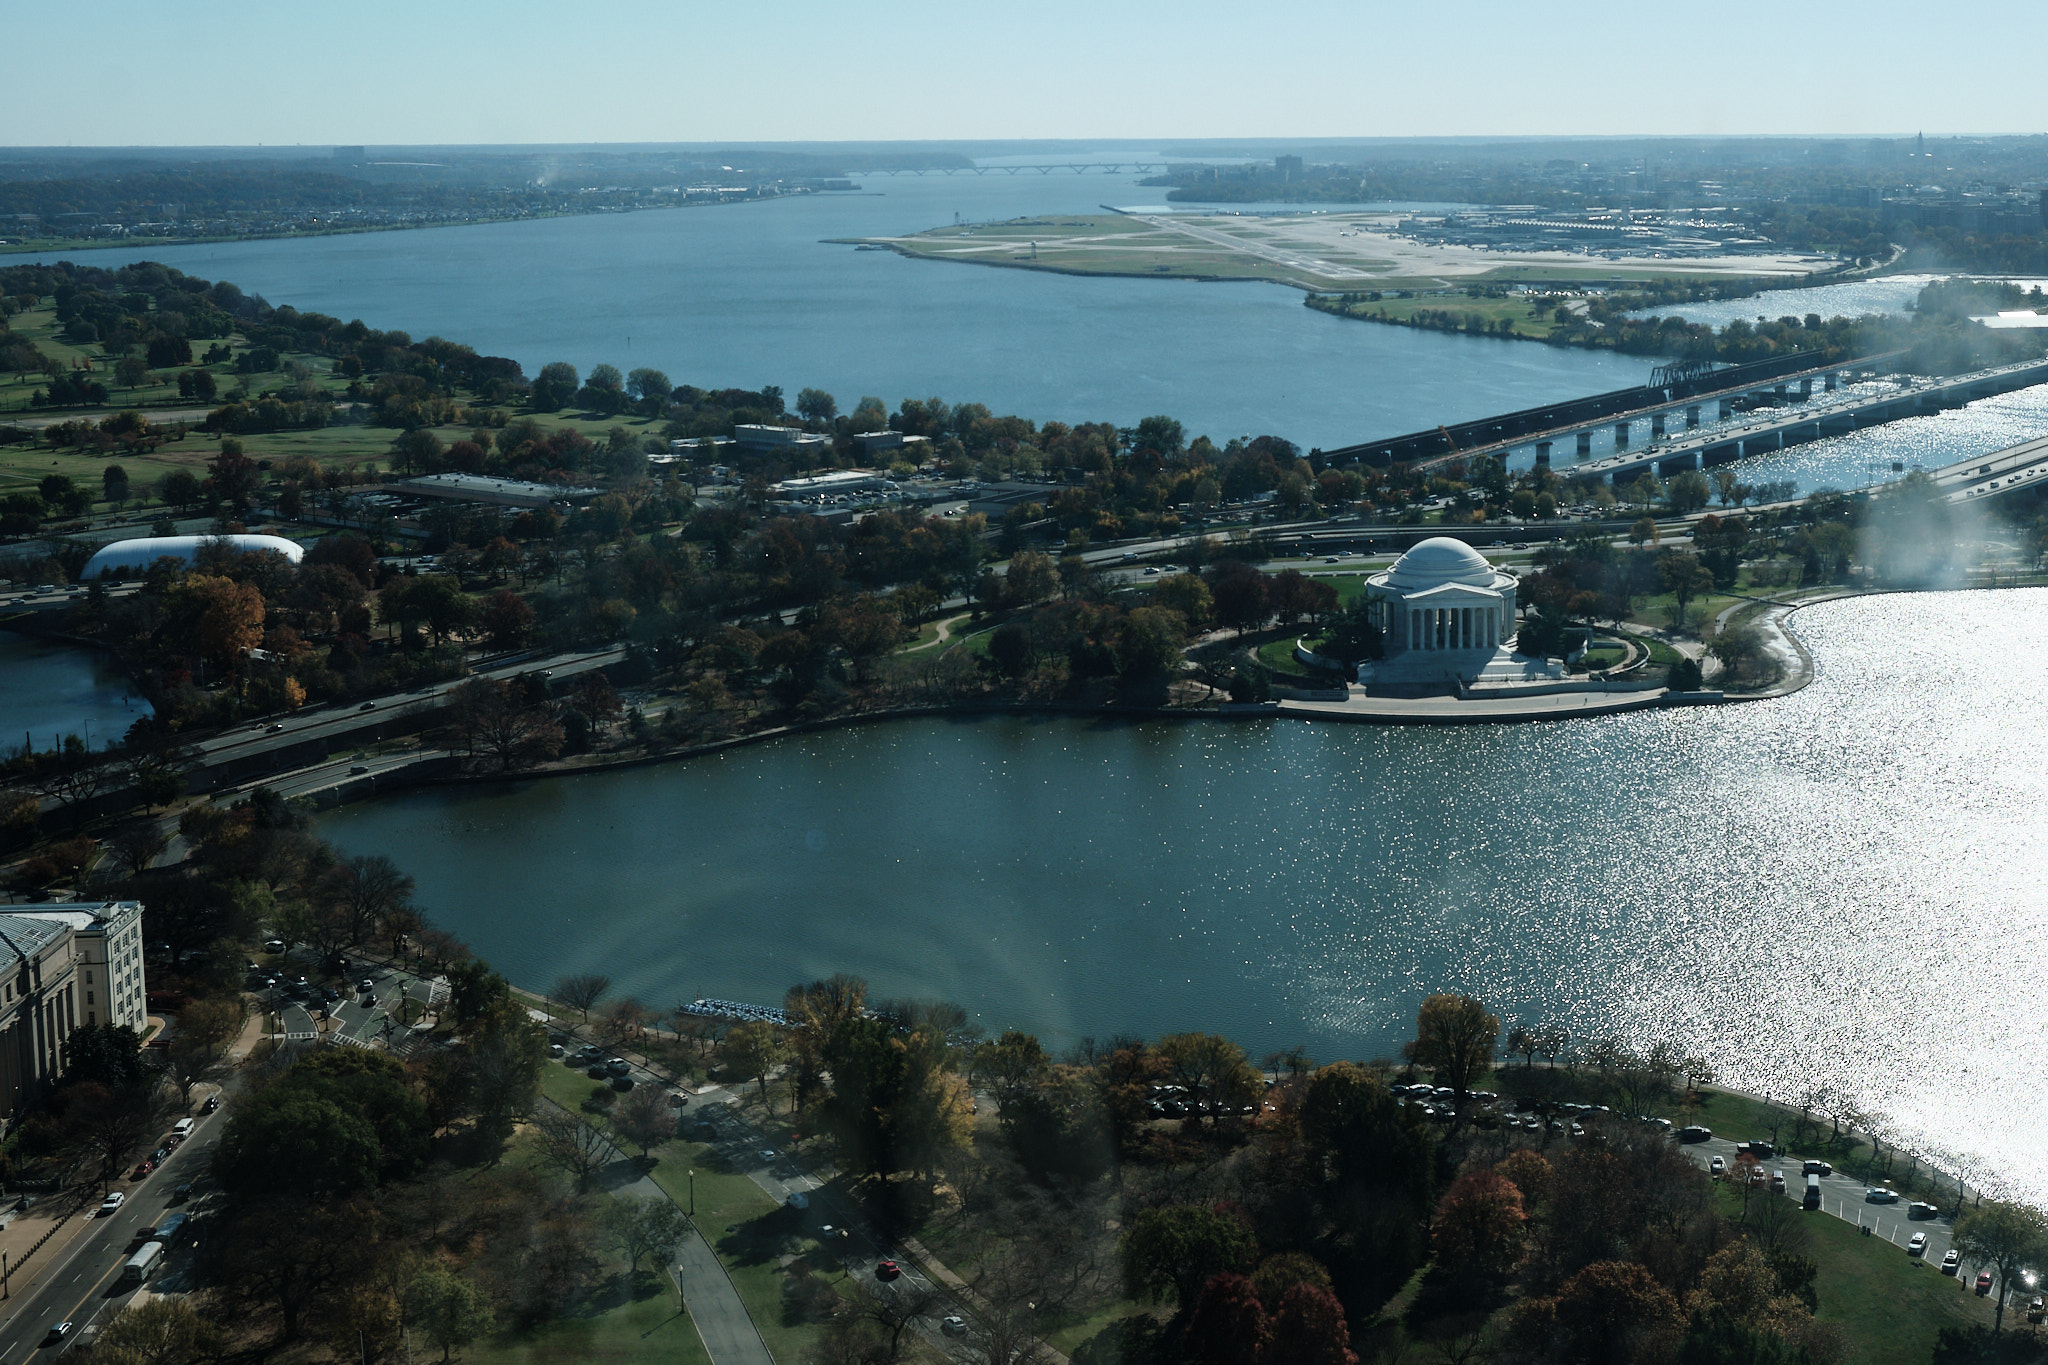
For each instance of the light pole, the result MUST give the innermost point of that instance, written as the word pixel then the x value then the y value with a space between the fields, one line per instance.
pixel 693 1195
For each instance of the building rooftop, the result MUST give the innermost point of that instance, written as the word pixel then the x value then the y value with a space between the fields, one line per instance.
pixel 82 917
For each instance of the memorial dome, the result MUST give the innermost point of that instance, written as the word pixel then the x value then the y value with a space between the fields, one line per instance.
pixel 1437 561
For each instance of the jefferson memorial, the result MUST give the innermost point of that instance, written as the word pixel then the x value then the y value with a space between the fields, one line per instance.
pixel 1443 597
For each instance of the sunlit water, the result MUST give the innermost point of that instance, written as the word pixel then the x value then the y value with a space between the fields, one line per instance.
pixel 1888 294
pixel 1837 888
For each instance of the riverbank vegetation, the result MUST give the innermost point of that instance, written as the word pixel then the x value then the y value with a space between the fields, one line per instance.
pixel 1937 336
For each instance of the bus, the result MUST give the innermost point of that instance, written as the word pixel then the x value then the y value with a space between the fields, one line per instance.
pixel 167 1231
pixel 1812 1190
pixel 142 1264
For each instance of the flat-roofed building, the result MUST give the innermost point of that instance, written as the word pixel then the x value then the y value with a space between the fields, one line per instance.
pixel 108 941
pixel 753 436
pixel 482 488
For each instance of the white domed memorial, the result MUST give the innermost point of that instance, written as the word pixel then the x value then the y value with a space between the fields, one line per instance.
pixel 1446 613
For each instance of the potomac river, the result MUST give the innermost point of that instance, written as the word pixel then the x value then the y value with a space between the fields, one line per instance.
pixel 1840 887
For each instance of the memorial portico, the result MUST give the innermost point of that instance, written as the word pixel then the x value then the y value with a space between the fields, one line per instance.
pixel 1443 597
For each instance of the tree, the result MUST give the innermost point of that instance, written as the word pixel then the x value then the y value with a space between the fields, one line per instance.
pixel 580 990
pixel 1684 577
pixel 179 488
pixel 1031 577
pixel 2005 1237
pixel 1241 594
pixel 297 1144
pixel 1454 1037
pixel 1228 1324
pixel 751 1050
pixel 166 1330
pixel 446 1308
pixel 644 1229
pixel 1687 492
pixel 1213 1072
pixel 1479 1227
pixel 498 721
pixel 220 619
pixel 895 1306
pixel 645 1118
pixel 650 387
pixel 816 406
pixel 1149 643
pixel 1011 1064
pixel 1181 1247
pixel 569 1144
pixel 205 1028
pixel 114 484
pixel 231 476
pixel 1309 1329
pixel 367 888
pixel 507 618
pixel 1609 1311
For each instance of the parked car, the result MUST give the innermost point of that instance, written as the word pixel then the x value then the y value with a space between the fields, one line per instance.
pixel 212 1103
pixel 1817 1168
pixel 888 1270
pixel 1717 1166
pixel 182 1193
pixel 367 999
pixel 1921 1209
pixel 956 1326
pixel 1877 1194
pixel 2037 1310
pixel 112 1203
pixel 596 1071
pixel 1984 1282
pixel 618 1066
pixel 1692 1132
pixel 141 1172
pixel 1917 1245
pixel 1951 1261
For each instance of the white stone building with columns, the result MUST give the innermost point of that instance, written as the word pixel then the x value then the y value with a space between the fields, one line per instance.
pixel 1442 598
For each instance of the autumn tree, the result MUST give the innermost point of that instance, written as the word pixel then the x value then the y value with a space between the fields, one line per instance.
pixel 1479 1227
pixel 645 1118
pixel 499 722
pixel 218 619
pixel 1228 1324
pixel 1308 1328
pixel 1609 1311
pixel 1454 1038
pixel 1212 1070
pixel 751 1050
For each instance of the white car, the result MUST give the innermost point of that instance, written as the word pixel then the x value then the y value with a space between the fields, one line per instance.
pixel 1880 1195
pixel 1918 1245
pixel 1717 1166
pixel 112 1203
pixel 1951 1261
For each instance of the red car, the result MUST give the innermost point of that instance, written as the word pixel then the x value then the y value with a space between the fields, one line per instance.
pixel 144 1169
pixel 888 1270
pixel 1983 1282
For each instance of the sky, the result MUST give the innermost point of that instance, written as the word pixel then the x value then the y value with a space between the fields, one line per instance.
pixel 230 72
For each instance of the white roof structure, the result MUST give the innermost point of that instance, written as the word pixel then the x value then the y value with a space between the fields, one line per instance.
pixel 1439 562
pixel 132 556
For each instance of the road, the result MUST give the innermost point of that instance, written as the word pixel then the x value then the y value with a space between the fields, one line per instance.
pixel 81 1285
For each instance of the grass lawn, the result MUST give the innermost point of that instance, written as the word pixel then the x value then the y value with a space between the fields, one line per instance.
pixel 1531 318
pixel 642 1326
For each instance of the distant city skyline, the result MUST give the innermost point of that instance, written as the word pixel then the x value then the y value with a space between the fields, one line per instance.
pixel 122 73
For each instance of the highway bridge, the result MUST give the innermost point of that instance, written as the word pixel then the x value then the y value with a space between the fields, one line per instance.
pixel 1682 395
pixel 1774 428
pixel 2016 469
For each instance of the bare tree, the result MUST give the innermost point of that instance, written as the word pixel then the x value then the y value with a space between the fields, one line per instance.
pixel 138 845
pixel 580 991
pixel 569 1144
pixel 895 1307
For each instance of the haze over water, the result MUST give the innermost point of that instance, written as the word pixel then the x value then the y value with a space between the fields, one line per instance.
pixel 1840 887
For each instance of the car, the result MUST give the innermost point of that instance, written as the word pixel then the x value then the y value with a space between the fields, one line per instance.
pixel 1951 1261
pixel 182 1193
pixel 58 1331
pixel 622 1084
pixel 618 1066
pixel 1692 1132
pixel 1817 1168
pixel 956 1326
pixel 366 984
pixel 1777 1182
pixel 273 727
pixel 1717 1166
pixel 112 1203
pixel 1921 1209
pixel 596 1071
pixel 1152 571
pixel 273 945
pixel 1983 1282
pixel 329 994
pixel 556 1050
pixel 1877 1194
pixel 367 999
pixel 767 1154
pixel 1916 1245
pixel 888 1270
pixel 2037 1310
pixel 142 1171
pixel 359 770
pixel 164 1151
pixel 367 706
pixel 212 1103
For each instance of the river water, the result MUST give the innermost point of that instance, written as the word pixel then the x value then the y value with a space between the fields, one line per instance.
pixel 1840 887
pixel 50 690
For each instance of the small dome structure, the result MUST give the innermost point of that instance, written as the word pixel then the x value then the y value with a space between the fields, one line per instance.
pixel 134 556
pixel 1440 560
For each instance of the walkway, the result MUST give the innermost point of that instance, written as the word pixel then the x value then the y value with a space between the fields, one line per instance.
pixel 728 1333
pixel 1463 711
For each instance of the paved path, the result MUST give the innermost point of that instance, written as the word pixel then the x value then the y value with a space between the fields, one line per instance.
pixel 1455 710
pixel 721 1318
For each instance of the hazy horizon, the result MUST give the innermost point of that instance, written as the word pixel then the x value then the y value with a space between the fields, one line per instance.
pixel 636 73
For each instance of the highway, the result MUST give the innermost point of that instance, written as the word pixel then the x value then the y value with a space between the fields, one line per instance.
pixel 81 1285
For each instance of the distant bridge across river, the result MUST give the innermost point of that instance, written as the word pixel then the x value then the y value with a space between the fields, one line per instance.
pixel 1042 168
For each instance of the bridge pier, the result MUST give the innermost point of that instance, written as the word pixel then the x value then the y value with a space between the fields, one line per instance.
pixel 1543 454
pixel 1778 390
pixel 1806 388
pixel 1692 416
pixel 1727 409
pixel 1656 426
pixel 1585 440
pixel 1621 435
pixel 1679 463
pixel 1827 382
